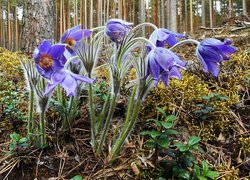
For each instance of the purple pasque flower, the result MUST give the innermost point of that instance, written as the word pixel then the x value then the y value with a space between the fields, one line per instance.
pixel 163 64
pixel 49 58
pixel 74 35
pixel 163 36
pixel 212 52
pixel 116 29
pixel 67 80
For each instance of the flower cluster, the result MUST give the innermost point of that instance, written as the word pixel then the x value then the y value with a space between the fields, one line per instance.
pixel 50 61
pixel 155 63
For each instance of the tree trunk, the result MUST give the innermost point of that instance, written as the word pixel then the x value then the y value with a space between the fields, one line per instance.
pixel 16 30
pixel 91 14
pixel 120 9
pixel 186 16
pixel 38 23
pixel 211 9
pixel 173 15
pixel 124 10
pixel 1 26
pixel 143 16
pixel 162 13
pixel 99 13
pixel 9 28
pixel 156 18
pixel 191 17
pixel 244 7
pixel 231 9
pixel 203 14
pixel 85 14
pixel 248 8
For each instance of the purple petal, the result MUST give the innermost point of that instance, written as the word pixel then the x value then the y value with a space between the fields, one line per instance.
pixel 154 68
pixel 204 64
pixel 45 73
pixel 210 54
pixel 44 47
pixel 165 78
pixel 163 58
pixel 65 36
pixel 57 51
pixel 82 78
pixel 49 88
pixel 78 35
pixel 70 85
pixel 175 73
pixel 214 68
pixel 171 41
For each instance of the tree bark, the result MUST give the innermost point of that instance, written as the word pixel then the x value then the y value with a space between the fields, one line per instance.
pixel 203 14
pixel 211 9
pixel 143 16
pixel 9 28
pixel 191 17
pixel 162 13
pixel 231 9
pixel 38 23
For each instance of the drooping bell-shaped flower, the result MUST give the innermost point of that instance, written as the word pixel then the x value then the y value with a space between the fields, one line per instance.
pixel 163 36
pixel 67 80
pixel 163 64
pixel 49 58
pixel 212 52
pixel 116 29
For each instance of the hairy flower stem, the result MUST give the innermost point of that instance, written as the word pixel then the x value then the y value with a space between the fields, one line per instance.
pixel 42 130
pixel 92 117
pixel 186 41
pixel 59 95
pixel 67 120
pixel 126 131
pixel 107 125
pixel 30 118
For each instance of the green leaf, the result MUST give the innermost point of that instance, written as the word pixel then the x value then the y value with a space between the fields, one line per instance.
pixel 202 178
pixel 163 141
pixel 166 125
pixel 193 140
pixel 212 174
pixel 207 98
pixel 144 133
pixel 171 131
pixel 77 177
pixel 171 118
pixel 23 140
pixel 155 134
pixel 181 147
pixel 204 168
pixel 184 175
pixel 161 111
pixel 14 136
pixel 197 170
pixel 150 144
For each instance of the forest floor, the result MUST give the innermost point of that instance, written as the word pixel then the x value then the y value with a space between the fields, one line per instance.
pixel 70 154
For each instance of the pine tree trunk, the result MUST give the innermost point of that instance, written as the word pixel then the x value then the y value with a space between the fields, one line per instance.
pixel 231 9
pixel 1 26
pixel 211 9
pixel 156 18
pixel 186 16
pixel 191 17
pixel 9 28
pixel 38 23
pixel 143 16
pixel 162 13
pixel 203 14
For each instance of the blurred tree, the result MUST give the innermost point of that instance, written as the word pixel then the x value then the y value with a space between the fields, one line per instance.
pixel 38 23
pixel 203 14
pixel 231 9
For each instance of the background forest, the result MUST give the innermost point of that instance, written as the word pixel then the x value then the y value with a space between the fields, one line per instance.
pixel 178 16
